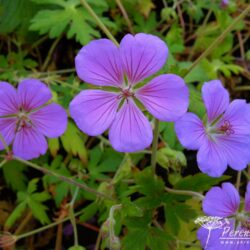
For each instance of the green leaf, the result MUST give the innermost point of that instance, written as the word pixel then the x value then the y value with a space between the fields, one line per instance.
pixel 53 22
pixel 145 6
pixel 16 214
pixel 226 68
pixel 172 220
pixel 169 135
pixel 53 146
pixel 199 182
pixel 185 212
pixel 167 157
pixel 129 209
pixel 39 211
pixel 175 39
pixel 145 25
pixel 89 211
pixel 80 28
pixel 196 104
pixel 68 17
pixel 157 239
pixel 32 187
pixel 206 35
pixel 135 239
pixel 14 176
pixel 102 161
pixel 77 248
pixel 61 192
pixel 73 143
pixel 168 14
pixel 16 14
pixel 145 237
pixel 15 66
pixel 40 197
pixel 148 184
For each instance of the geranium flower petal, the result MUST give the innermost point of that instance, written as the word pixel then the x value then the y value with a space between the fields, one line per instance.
pixel 236 150
pixel 94 110
pixel 50 120
pixel 7 130
pixel 216 99
pixel 165 97
pixel 29 143
pixel 222 202
pixel 238 116
pixel 247 198
pixel 130 131
pixel 99 63
pixel 190 131
pixel 8 99
pixel 33 93
pixel 236 144
pixel 211 159
pixel 142 56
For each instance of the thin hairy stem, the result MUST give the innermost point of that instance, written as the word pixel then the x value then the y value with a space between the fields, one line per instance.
pixel 52 48
pixel 72 216
pixel 238 180
pixel 217 41
pixel 64 178
pixel 155 145
pixel 125 15
pixel 41 229
pixel 184 192
pixel 99 22
pixel 4 143
pixel 3 162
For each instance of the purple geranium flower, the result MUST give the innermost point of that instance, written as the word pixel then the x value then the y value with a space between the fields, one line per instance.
pixel 103 64
pixel 225 202
pixel 224 139
pixel 26 118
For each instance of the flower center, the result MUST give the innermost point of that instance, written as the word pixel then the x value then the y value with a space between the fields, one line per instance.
pixel 23 121
pixel 226 128
pixel 126 93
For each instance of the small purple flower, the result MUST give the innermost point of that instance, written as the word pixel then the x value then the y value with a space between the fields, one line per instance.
pixel 224 139
pixel 225 202
pixel 115 108
pixel 26 118
pixel 224 3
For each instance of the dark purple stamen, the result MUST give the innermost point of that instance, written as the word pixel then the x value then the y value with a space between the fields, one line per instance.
pixel 226 128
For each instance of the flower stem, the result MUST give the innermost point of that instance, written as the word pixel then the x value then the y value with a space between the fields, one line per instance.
pixel 125 15
pixel 113 239
pixel 3 162
pixel 246 175
pixel 155 145
pixel 4 143
pixel 238 180
pixel 64 178
pixel 47 60
pixel 185 192
pixel 99 22
pixel 38 230
pixel 55 72
pixel 218 40
pixel 72 216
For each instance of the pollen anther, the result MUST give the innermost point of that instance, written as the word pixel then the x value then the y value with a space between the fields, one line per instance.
pixel 226 128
